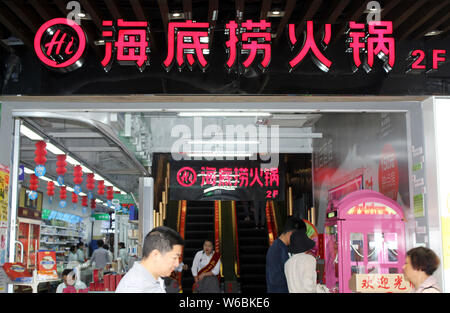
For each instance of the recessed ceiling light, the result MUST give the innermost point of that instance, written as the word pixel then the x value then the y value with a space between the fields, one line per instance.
pixel 176 16
pixel 434 32
pixel 29 133
pixel 275 13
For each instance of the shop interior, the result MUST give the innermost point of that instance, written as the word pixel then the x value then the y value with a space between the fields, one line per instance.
pixel 319 159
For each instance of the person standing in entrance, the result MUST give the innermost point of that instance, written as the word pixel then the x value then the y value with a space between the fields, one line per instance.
pixel 161 255
pixel 205 268
pixel 419 267
pixel 277 255
pixel 100 256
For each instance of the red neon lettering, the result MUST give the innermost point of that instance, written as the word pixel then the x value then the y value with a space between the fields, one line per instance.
pixel 231 30
pixel 356 46
pixel 243 177
pixel 416 64
pixel 208 176
pixel 225 176
pixel 251 45
pixel 256 178
pixel 319 59
pixel 187 42
pixel 132 44
pixel 377 45
pixel 438 59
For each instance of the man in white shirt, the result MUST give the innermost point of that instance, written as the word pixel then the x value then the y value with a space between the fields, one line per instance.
pixel 205 268
pixel 161 255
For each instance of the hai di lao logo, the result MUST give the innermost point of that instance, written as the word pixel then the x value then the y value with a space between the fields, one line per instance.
pixel 61 44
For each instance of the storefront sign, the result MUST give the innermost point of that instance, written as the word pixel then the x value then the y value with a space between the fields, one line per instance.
pixel 216 181
pixel 101 216
pixel 60 44
pixel 382 283
pixel 56 215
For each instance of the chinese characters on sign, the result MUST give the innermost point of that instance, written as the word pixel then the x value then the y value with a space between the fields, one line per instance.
pixel 382 283
pixel 231 177
pixel 60 44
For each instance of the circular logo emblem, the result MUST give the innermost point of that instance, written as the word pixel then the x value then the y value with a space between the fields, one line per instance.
pixel 62 204
pixel 60 44
pixel 186 176
pixel 60 180
pixel 40 170
pixel 33 195
pixel 77 189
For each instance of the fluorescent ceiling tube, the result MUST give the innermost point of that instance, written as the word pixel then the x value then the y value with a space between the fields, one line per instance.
pixel 221 113
pixel 98 177
pixel 72 161
pixel 45 178
pixel 29 133
pixel 218 154
pixel 28 171
pixel 220 142
pixel 70 189
pixel 86 170
pixel 54 149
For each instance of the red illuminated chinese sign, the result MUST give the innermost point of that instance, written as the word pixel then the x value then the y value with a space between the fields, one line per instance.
pixel 186 40
pixel 250 38
pixel 60 44
pixel 128 43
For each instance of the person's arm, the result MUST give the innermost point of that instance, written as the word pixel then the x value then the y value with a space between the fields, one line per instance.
pixel 194 267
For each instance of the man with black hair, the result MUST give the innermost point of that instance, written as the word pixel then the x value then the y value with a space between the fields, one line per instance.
pixel 160 256
pixel 100 256
pixel 277 255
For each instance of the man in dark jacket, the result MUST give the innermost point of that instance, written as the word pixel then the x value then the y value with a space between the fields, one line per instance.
pixel 277 255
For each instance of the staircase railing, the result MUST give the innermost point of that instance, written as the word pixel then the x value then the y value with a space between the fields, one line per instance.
pixel 235 239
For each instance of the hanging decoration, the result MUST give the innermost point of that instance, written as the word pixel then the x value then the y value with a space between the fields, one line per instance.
pixel 61 168
pixel 109 195
pixel 32 195
pixel 101 187
pixel 77 178
pixel 84 203
pixel 62 197
pixel 50 190
pixel 74 200
pixel 93 203
pixel 40 158
pixel 90 184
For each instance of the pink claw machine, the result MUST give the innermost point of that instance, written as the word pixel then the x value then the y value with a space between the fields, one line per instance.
pixel 364 234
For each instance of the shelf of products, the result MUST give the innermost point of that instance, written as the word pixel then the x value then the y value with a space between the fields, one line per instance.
pixel 58 236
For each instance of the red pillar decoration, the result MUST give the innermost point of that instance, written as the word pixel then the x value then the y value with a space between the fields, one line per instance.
pixel 40 158
pixel 51 190
pixel 101 187
pixel 77 175
pixel 93 204
pixel 109 193
pixel 61 168
pixel 90 183
pixel 84 201
pixel 62 193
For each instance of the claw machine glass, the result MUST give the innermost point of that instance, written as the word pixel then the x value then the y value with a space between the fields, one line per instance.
pixel 364 234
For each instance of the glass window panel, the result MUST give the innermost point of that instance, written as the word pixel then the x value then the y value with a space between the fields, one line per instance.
pixel 393 270
pixel 356 247
pixel 374 241
pixel 391 245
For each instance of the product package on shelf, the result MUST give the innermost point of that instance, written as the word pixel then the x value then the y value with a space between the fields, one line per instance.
pixel 17 272
pixel 47 264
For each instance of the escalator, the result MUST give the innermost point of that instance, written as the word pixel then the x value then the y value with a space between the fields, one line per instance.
pixel 199 226
pixel 253 245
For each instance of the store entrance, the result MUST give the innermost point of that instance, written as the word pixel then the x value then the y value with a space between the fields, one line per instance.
pixel 297 163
